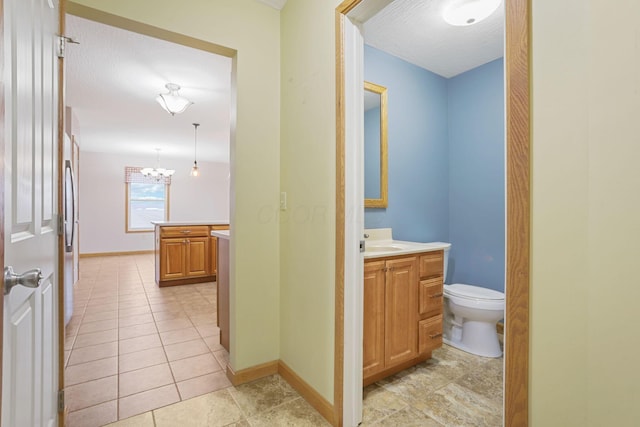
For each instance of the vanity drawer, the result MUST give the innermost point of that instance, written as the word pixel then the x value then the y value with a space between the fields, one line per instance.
pixel 185 231
pixel 431 297
pixel 431 264
pixel 429 334
pixel 220 227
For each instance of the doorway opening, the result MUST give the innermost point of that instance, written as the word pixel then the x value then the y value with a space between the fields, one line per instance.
pixel 136 342
pixel 350 14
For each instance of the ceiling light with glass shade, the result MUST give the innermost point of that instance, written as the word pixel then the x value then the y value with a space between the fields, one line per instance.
pixel 173 102
pixel 157 172
pixel 194 170
pixel 461 13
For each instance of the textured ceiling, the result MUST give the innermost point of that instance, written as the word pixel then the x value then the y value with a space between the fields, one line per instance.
pixel 414 30
pixel 113 77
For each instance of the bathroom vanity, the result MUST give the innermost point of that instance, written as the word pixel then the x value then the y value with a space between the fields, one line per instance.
pixel 403 304
pixel 185 252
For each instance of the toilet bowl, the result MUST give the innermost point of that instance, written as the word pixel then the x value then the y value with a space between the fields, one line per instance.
pixel 470 317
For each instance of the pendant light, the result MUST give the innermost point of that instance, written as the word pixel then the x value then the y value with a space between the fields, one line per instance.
pixel 157 172
pixel 172 102
pixel 194 170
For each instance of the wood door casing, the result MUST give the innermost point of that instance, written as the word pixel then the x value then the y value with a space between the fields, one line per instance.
pixel 373 316
pixel 401 308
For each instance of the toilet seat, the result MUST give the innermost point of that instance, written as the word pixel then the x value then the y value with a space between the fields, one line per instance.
pixel 474 296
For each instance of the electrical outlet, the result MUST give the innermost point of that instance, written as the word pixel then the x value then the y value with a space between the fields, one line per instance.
pixel 283 201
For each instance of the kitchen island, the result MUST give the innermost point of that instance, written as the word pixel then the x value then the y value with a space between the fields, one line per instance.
pixel 222 283
pixel 185 251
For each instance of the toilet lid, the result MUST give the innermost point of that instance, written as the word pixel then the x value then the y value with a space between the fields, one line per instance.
pixel 475 292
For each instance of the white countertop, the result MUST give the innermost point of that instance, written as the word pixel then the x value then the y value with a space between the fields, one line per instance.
pixel 386 248
pixel 220 234
pixel 184 223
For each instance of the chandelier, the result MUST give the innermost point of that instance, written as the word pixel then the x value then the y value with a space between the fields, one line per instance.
pixel 173 102
pixel 157 172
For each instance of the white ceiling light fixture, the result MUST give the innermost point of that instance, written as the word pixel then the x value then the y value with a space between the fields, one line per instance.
pixel 463 13
pixel 194 170
pixel 173 102
pixel 157 172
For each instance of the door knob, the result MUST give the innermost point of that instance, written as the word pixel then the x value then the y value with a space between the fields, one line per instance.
pixel 30 279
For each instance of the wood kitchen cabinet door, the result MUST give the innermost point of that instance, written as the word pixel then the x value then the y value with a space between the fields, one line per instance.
pixel 401 320
pixel 197 262
pixel 174 259
pixel 373 332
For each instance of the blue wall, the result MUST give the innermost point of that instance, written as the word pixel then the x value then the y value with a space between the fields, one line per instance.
pixel 418 207
pixel 446 163
pixel 477 177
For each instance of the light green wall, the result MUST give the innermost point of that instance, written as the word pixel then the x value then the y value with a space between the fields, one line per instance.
pixel 308 176
pixel 252 29
pixel 585 213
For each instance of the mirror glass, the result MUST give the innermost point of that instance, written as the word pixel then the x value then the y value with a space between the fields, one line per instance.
pixel 375 146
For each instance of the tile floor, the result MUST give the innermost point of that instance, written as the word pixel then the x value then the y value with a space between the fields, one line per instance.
pixel 149 357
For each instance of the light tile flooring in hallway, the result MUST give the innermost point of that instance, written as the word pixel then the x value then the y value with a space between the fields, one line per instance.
pixel 150 357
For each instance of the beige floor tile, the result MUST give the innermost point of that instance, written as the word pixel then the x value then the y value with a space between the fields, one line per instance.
pixel 294 413
pixel 131 294
pixel 213 342
pixel 186 349
pixel 91 393
pixel 142 420
pixel 202 385
pixel 379 403
pixel 94 352
pixel 141 359
pixel 110 299
pixel 170 315
pixel 94 416
pixel 213 410
pixel 137 330
pixel 134 311
pixel 208 330
pixel 195 366
pixel 103 315
pixel 201 319
pixel 97 326
pixel 138 302
pixel 222 356
pixel 179 335
pixel 263 394
pixel 145 342
pixel 136 319
pixel 144 379
pixel 95 338
pixel 171 306
pixel 100 308
pixel 406 417
pixel 147 401
pixel 172 325
pixel 88 371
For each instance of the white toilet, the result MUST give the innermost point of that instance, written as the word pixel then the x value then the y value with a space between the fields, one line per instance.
pixel 470 317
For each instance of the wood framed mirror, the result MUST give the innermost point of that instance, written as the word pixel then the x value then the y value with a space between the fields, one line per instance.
pixel 375 146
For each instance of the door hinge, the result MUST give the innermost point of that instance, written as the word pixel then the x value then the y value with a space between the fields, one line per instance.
pixel 62 44
pixel 60 225
pixel 61 401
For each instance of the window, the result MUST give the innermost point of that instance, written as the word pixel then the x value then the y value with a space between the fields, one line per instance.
pixel 147 200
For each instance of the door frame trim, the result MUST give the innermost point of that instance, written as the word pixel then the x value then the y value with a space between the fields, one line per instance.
pixel 518 206
pixel 2 144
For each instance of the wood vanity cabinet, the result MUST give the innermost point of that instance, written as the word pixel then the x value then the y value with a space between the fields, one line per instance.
pixel 182 255
pixel 402 312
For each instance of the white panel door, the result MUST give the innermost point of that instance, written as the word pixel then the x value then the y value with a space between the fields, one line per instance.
pixel 30 353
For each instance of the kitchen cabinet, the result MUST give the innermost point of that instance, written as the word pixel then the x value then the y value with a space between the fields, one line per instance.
pixel 213 249
pixel 402 322
pixel 183 254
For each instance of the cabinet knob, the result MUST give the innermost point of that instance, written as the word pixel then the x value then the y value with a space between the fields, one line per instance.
pixel 438 295
pixel 435 336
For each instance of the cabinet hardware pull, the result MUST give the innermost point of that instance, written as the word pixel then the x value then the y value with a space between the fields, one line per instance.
pixel 435 335
pixel 186 231
pixel 438 295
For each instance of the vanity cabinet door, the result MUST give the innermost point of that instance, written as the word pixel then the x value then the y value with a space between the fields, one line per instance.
pixel 173 254
pixel 401 320
pixel 373 332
